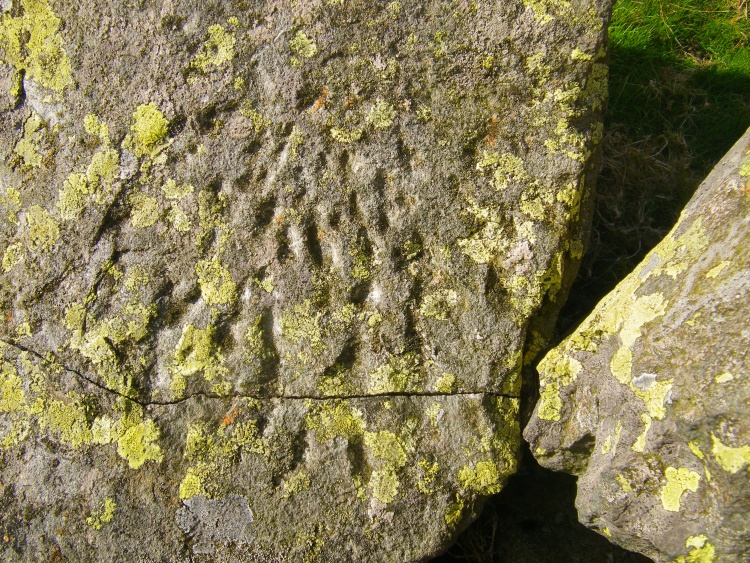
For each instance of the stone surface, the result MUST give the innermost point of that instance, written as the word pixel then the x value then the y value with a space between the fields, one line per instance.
pixel 269 269
pixel 648 400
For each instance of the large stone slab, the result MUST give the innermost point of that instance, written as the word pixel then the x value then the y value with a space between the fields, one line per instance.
pixel 647 401
pixel 269 268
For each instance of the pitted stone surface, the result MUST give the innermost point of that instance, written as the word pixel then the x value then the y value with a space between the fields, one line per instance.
pixel 286 252
pixel 647 401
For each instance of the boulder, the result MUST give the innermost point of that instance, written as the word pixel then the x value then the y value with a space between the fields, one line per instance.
pixel 269 268
pixel 648 400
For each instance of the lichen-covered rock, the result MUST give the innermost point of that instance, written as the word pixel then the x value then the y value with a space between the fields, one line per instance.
pixel 648 401
pixel 268 268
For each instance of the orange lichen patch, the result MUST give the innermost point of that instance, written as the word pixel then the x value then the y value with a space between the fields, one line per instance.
pixel 228 418
pixel 321 101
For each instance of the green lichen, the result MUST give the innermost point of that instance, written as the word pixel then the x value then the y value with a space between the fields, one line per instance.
pixel 217 51
pixel 729 459
pixel 102 173
pixel 678 481
pixel 334 418
pixel 42 231
pixel 191 485
pixel 429 471
pixel 31 43
pixel 387 447
pixel 301 324
pixel 384 484
pixel 484 478
pixel 217 287
pixel 149 129
pixel 490 241
pixel 176 192
pixel 103 514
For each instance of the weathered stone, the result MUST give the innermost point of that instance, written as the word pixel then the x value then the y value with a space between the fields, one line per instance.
pixel 268 268
pixel 647 401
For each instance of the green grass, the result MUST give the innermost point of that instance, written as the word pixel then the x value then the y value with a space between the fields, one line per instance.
pixel 679 99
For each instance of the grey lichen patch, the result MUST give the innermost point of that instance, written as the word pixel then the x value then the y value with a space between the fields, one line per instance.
pixel 215 523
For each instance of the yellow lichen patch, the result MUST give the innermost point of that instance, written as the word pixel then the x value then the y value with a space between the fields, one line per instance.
pixel 145 210
pixel 94 126
pixel 72 197
pixel 381 115
pixel 136 438
pixel 190 485
pixel 695 448
pixel 258 121
pixel 66 421
pixel 624 484
pixel 32 44
pixel 334 418
pixel 12 396
pixel 303 47
pixel 102 172
pixel 196 352
pixel 42 231
pixel 176 192
pixel 673 255
pixel 714 272
pixel 429 471
pixel 729 459
pixel 149 129
pixel 557 370
pixel 484 478
pixel 295 484
pixel 446 383
pixel 438 304
pixel 679 480
pixel 507 168
pixel 12 202
pixel 302 325
pixel 391 456
pixel 103 514
pixel 724 378
pixel 12 256
pixel 610 444
pixel 400 374
pixel 344 136
pixel 217 287
pixel 701 551
pixel 487 243
pixel 28 146
pixel 454 514
pixel 216 51
pixel 653 393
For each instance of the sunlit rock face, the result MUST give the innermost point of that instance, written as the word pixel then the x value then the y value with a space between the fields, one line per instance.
pixel 647 401
pixel 270 269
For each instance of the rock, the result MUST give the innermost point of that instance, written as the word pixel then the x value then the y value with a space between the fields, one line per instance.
pixel 268 269
pixel 647 401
